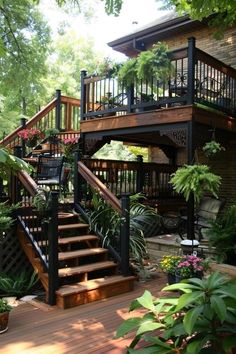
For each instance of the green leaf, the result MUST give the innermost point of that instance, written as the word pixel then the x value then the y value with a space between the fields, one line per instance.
pixel 187 299
pixel 151 350
pixel 148 326
pixel 146 300
pixel 218 305
pixel 127 326
pixel 191 318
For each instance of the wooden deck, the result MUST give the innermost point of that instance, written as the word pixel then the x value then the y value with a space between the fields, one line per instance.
pixel 35 328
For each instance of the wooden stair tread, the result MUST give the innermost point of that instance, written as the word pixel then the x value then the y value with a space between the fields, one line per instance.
pixel 63 227
pixel 92 284
pixel 81 253
pixel 72 226
pixel 72 239
pixel 63 272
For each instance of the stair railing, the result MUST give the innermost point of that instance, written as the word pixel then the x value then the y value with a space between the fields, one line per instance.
pixel 84 177
pixel 40 228
pixel 62 112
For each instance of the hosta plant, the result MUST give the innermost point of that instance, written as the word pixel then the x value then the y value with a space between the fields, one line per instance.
pixel 201 319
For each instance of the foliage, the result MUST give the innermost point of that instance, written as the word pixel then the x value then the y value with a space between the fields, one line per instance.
pixel 52 132
pixel 4 307
pixel 196 179
pixel 108 67
pixel 127 73
pixel 70 146
pixel 168 263
pixel 224 12
pixel 28 134
pixel 107 222
pixel 42 200
pixel 200 321
pixel 190 266
pixel 184 266
pixel 17 285
pixel 116 150
pixel 24 46
pixel 211 148
pixel 154 63
pixel 6 220
pixel 222 234
pixel 149 64
pixel 11 164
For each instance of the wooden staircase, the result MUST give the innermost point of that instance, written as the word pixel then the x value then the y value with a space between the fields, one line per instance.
pixel 85 273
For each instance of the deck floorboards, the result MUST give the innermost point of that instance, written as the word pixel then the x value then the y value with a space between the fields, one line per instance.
pixel 35 328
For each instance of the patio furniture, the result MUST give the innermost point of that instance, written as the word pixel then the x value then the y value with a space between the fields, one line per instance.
pixel 207 212
pixel 50 171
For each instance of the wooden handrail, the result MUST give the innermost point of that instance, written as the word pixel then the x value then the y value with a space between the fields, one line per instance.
pixel 37 117
pixel 104 192
pixel 28 182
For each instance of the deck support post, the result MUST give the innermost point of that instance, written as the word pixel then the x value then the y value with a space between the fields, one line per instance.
pixel 53 250
pixel 191 70
pixel 83 74
pixel 125 234
pixel 58 110
pixel 190 203
pixel 139 182
pixel 130 98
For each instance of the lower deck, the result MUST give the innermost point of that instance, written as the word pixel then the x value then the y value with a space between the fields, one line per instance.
pixel 40 329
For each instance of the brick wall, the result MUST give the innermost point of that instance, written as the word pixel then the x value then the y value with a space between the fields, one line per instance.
pixel 223 49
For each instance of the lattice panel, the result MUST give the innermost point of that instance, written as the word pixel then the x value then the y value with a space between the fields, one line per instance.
pixel 12 257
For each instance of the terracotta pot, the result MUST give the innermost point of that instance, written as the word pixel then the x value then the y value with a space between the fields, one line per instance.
pixel 4 317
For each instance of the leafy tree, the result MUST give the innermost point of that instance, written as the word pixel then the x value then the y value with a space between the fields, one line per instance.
pixel 24 40
pixel 70 54
pixel 224 11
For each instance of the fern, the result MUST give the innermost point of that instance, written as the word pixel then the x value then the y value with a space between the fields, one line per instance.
pixel 196 180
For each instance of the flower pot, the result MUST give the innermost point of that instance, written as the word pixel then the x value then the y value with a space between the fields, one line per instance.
pixel 32 142
pixel 4 317
pixel 171 278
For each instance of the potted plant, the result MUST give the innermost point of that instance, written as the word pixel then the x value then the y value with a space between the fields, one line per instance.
pixel 51 135
pixel 222 236
pixel 211 148
pixel 148 65
pixel 31 136
pixel 196 180
pixel 168 265
pixel 199 320
pixel 5 309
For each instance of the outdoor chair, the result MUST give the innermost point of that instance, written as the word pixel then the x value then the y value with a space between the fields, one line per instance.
pixel 206 212
pixel 50 171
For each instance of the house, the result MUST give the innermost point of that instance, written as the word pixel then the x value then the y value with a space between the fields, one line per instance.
pixel 196 104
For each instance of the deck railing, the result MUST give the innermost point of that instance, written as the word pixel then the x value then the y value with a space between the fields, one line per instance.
pixel 197 78
pixel 62 113
pixel 131 177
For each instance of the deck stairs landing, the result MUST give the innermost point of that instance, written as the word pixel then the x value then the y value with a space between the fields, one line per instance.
pixel 86 272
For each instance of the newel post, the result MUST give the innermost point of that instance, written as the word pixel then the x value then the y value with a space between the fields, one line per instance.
pixel 77 180
pixel 23 125
pixel 125 234
pixel 58 110
pixel 14 187
pixel 190 203
pixel 191 69
pixel 53 250
pixel 83 74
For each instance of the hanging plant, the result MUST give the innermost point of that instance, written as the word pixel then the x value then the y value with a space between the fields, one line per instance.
pixel 196 180
pixel 211 148
pixel 148 65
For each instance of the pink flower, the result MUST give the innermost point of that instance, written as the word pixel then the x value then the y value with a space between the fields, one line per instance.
pixel 26 134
